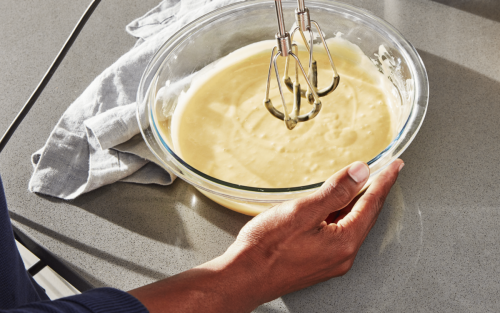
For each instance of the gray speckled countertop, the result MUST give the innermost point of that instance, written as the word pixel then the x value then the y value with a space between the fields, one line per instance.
pixel 435 246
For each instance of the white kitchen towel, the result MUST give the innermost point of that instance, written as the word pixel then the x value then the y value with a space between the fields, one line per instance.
pixel 97 142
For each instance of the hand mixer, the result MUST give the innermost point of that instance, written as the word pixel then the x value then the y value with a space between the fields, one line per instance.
pixel 285 48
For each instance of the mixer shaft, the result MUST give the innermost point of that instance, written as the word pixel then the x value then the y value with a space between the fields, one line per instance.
pixel 285 47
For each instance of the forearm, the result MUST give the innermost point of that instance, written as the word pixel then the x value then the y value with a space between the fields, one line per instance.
pixel 226 284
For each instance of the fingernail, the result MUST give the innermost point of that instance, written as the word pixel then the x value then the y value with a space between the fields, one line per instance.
pixel 359 172
pixel 401 167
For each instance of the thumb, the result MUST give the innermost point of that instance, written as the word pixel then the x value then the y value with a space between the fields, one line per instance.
pixel 337 192
pixel 365 211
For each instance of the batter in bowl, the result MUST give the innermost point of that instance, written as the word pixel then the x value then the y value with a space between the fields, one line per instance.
pixel 221 127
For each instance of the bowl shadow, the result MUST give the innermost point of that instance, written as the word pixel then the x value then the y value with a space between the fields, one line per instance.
pixel 459 136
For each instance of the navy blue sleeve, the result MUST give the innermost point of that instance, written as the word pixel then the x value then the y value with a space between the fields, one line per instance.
pixel 100 300
pixel 19 293
pixel 16 286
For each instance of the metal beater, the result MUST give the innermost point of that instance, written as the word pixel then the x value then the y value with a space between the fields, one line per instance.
pixel 284 48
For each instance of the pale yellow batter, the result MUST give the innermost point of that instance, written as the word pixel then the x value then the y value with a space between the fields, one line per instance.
pixel 221 127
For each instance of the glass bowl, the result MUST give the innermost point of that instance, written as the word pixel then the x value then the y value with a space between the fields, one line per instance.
pixel 220 32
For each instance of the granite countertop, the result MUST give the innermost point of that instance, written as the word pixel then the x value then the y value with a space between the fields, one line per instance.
pixel 435 246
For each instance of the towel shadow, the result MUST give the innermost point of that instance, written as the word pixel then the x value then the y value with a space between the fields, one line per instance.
pixel 147 210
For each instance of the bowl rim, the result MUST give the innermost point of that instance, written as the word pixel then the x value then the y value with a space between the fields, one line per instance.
pixel 178 37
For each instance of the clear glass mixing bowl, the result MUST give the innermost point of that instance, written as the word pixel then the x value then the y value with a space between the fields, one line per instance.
pixel 216 34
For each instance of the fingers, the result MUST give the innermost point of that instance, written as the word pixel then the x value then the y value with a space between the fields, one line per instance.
pixel 365 211
pixel 343 213
pixel 336 193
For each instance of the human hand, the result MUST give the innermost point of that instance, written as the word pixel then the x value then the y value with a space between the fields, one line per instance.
pixel 286 248
pixel 292 247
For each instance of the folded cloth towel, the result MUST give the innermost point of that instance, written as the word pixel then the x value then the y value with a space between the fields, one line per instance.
pixel 97 142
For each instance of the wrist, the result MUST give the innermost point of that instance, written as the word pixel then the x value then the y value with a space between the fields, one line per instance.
pixel 238 279
pixel 228 283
